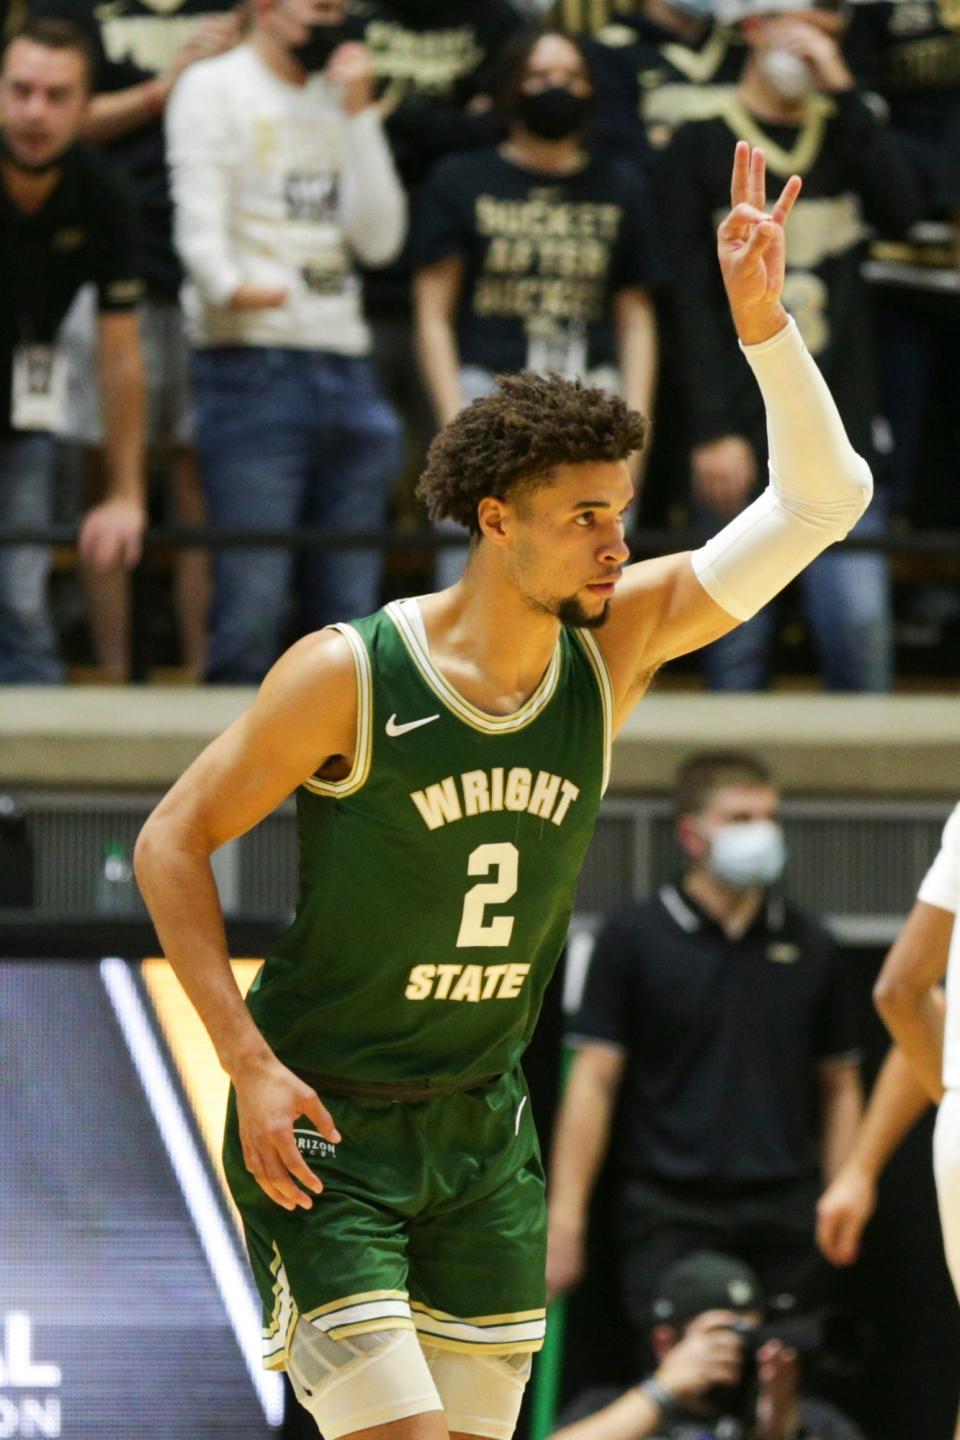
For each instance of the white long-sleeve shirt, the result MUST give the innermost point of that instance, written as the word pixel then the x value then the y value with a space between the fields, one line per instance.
pixel 273 184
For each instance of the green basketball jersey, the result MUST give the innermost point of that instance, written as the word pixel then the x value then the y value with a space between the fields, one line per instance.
pixel 437 879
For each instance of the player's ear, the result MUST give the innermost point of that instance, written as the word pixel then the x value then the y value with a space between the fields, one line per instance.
pixel 492 517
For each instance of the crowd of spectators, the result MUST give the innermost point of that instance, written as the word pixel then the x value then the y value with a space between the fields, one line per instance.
pixel 320 227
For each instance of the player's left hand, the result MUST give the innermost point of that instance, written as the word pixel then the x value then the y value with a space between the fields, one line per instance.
pixel 751 245
pixel 111 535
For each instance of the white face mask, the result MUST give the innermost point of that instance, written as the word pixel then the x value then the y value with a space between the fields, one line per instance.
pixel 786 73
pixel 747 854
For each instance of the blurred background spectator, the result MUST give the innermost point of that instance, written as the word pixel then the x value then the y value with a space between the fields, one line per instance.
pixel 716 1057
pixel 435 63
pixel 656 64
pixel 67 220
pixel 909 55
pixel 670 61
pixel 281 176
pixel 537 254
pixel 798 100
pixel 721 1372
pixel 141 51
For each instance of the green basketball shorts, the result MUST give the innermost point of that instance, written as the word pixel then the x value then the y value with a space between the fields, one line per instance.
pixel 432 1218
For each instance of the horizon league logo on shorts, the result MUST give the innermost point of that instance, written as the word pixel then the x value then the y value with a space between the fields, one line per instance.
pixel 313 1146
pixel 26 1416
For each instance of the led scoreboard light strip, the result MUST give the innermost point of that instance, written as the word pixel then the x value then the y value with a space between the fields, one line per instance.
pixel 236 1289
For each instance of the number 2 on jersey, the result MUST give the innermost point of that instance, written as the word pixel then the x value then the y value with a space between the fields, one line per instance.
pixel 504 859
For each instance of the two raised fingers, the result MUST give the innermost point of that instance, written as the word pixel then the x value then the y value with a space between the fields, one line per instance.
pixel 748 184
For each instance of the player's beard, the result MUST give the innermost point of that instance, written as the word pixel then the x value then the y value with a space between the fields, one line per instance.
pixel 571 612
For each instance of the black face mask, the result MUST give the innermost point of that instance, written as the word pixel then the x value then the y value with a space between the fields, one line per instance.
pixel 320 44
pixel 555 113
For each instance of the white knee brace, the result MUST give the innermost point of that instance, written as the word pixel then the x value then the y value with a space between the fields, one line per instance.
pixel 366 1380
pixel 359 1381
pixel 480 1393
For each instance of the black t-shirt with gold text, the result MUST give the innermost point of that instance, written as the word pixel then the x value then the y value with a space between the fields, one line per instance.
pixel 543 255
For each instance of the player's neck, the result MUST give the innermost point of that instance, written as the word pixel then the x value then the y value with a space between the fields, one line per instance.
pixel 733 909
pixel 487 640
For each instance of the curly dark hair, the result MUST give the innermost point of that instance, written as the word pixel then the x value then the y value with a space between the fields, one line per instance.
pixel 512 438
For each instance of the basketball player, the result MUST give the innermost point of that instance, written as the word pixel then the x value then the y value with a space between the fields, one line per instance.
pixel 449 755
pixel 907 996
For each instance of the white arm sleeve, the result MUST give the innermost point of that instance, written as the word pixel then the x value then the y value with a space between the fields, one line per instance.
pixel 819 486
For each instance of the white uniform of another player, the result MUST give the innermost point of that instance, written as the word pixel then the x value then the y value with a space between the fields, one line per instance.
pixel 941 887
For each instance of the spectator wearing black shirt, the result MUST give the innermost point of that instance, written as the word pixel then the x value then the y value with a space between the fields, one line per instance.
pixel 910 56
pixel 142 50
pixel 67 220
pixel 671 61
pixel 537 255
pixel 715 1057
pixel 798 101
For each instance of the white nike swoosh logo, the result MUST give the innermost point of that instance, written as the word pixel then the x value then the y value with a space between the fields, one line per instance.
pixel 394 729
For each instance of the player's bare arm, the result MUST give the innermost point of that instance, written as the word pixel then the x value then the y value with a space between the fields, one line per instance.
pixel 905 993
pixel 302 722
pixel 661 609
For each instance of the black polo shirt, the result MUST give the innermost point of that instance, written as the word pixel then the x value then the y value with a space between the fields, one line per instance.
pixel 136 40
pixel 85 231
pixel 723 1038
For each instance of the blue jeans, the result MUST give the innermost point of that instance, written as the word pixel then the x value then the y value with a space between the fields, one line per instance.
pixel 28 645
pixel 846 600
pixel 289 438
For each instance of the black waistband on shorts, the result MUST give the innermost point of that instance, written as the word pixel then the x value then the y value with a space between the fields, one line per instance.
pixel 398 1093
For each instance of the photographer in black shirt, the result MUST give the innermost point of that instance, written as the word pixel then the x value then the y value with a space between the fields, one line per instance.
pixel 66 220
pixel 722 1371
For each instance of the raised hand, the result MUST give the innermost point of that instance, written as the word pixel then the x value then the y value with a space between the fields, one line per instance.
pixel 751 245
